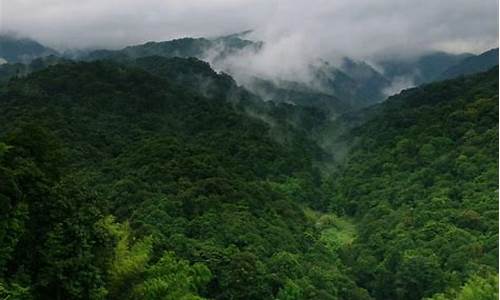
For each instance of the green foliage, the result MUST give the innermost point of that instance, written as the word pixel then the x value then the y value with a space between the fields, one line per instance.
pixel 290 291
pixel 129 262
pixel 14 291
pixel 476 288
pixel 133 275
pixel 421 181
pixel 137 186
pixel 120 183
pixel 171 278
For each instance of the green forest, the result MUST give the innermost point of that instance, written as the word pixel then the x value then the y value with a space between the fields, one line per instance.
pixel 159 178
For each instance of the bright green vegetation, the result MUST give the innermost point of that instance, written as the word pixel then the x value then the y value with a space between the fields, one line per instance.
pixel 335 232
pixel 157 178
pixel 340 233
pixel 476 288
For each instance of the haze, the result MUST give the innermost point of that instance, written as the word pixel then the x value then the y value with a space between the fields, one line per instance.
pixel 298 27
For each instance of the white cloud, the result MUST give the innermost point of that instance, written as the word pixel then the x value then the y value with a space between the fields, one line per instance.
pixel 297 27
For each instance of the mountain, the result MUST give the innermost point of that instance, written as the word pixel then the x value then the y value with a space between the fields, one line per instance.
pixel 371 83
pixel 337 90
pixel 296 93
pixel 473 64
pixel 364 87
pixel 10 70
pixel 237 41
pixel 354 84
pixel 421 176
pixel 184 47
pixel 351 85
pixel 161 189
pixel 285 119
pixel 422 69
pixel 14 49
pixel 148 174
pixel 189 72
pixel 353 81
pixel 198 75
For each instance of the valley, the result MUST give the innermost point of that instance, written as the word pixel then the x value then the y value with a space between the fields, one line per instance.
pixel 152 172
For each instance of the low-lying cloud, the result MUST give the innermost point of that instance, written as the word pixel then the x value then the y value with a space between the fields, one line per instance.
pixel 360 28
pixel 296 33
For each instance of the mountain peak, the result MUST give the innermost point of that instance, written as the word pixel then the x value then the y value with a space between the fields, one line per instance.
pixel 14 48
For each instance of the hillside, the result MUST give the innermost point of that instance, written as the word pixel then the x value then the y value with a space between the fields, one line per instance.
pixel 11 70
pixel 471 65
pixel 151 176
pixel 421 179
pixel 285 119
pixel 158 189
pixel 14 49
pixel 421 69
pixel 356 83
pixel 184 47
pixel 298 94
pixel 350 85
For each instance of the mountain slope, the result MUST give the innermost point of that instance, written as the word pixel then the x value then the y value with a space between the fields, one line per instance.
pixel 286 120
pixel 371 84
pixel 141 176
pixel 423 69
pixel 159 190
pixel 471 65
pixel 13 49
pixel 184 47
pixel 355 82
pixel 421 178
pixel 298 94
pixel 364 87
pixel 11 70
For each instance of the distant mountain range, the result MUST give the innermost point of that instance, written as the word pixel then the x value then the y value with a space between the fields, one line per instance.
pixel 423 69
pixel 200 48
pixel 472 64
pixel 14 49
pixel 351 85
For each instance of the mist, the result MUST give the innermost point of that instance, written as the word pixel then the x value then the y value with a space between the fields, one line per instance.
pixel 297 34
pixel 361 28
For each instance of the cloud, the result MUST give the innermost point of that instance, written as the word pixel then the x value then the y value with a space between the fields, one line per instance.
pixel 398 84
pixel 295 31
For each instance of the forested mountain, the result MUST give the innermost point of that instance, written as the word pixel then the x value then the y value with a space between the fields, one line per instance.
pixel 371 83
pixel 473 64
pixel 163 186
pixel 10 70
pixel 281 116
pixel 299 94
pixel 421 179
pixel 159 190
pixel 351 85
pixel 356 83
pixel 183 47
pixel 143 173
pixel 420 69
pixel 14 49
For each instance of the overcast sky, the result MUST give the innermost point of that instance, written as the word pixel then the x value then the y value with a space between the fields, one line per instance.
pixel 358 27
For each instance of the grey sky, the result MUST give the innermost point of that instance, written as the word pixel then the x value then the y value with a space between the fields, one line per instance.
pixel 361 28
